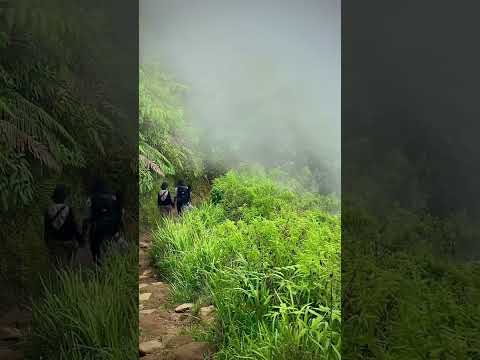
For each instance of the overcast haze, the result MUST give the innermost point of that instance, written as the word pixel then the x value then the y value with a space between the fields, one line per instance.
pixel 263 76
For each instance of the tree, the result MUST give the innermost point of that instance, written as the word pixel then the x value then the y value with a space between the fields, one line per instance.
pixel 167 145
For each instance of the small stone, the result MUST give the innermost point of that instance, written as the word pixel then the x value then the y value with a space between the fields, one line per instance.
pixel 183 308
pixel 149 346
pixel 147 312
pixel 141 286
pixel 158 283
pixel 143 277
pixel 207 313
pixel 147 272
pixel 184 316
pixel 180 316
pixel 193 351
pixel 144 296
pixel 9 333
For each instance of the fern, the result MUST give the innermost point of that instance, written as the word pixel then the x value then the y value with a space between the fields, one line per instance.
pixel 51 115
pixel 162 124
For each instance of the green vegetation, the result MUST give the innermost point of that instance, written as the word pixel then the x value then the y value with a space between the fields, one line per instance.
pixel 89 314
pixel 166 142
pixel 53 118
pixel 259 246
pixel 59 123
pixel 268 258
pixel 405 297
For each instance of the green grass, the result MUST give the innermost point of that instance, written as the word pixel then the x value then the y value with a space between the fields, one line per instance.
pixel 268 258
pixel 87 315
pixel 405 306
pixel 403 298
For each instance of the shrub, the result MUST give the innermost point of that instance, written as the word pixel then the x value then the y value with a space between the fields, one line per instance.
pixel 268 259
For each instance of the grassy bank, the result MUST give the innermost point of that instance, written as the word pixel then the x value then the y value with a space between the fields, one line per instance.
pixel 268 258
pixel 89 314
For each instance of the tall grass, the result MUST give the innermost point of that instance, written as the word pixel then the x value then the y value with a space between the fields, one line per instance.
pixel 404 299
pixel 90 314
pixel 268 258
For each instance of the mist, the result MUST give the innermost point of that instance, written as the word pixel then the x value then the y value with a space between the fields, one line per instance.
pixel 263 77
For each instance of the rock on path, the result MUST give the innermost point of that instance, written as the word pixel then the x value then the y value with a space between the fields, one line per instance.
pixel 163 327
pixel 148 347
pixel 183 308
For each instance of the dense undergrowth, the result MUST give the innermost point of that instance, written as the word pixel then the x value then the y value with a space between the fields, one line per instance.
pixel 404 295
pixel 89 314
pixel 268 258
pixel 63 119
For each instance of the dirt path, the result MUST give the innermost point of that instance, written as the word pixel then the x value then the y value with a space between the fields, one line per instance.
pixel 163 327
pixel 13 325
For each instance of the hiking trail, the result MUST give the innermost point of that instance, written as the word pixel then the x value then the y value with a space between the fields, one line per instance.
pixel 162 326
pixel 14 325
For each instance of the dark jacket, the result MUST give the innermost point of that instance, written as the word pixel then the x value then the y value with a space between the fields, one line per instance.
pixel 164 198
pixel 183 195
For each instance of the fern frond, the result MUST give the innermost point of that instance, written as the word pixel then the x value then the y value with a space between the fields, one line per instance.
pixel 150 165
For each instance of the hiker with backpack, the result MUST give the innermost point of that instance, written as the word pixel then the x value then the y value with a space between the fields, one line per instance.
pixel 164 200
pixel 183 197
pixel 103 219
pixel 60 230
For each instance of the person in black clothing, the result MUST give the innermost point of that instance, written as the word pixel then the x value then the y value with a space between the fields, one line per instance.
pixel 60 230
pixel 182 197
pixel 164 200
pixel 103 218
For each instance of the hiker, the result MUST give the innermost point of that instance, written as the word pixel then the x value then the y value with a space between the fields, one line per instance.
pixel 183 197
pixel 60 230
pixel 103 219
pixel 164 200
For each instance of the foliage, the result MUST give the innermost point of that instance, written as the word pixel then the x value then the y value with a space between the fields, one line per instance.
pixel 51 114
pixel 245 196
pixel 148 211
pixel 269 260
pixel 89 314
pixel 166 143
pixel 58 121
pixel 405 297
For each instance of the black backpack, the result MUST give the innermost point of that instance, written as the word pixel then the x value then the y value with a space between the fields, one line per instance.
pixel 103 209
pixel 183 194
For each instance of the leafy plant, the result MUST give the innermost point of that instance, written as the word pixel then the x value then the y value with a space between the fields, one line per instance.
pixel 269 260
pixel 166 143
pixel 58 118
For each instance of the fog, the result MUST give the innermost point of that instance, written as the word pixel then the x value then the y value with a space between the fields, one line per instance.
pixel 263 77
